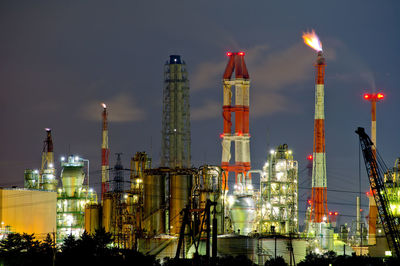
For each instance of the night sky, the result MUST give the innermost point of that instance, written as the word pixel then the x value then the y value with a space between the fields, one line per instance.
pixel 60 59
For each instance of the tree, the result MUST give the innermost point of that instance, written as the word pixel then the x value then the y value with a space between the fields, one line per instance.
pixel 278 261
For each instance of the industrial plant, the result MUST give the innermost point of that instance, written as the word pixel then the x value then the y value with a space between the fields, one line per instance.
pixel 179 210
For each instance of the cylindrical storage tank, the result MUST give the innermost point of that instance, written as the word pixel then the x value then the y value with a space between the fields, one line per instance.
pixel 180 189
pixel 31 179
pixel 266 247
pixel 327 237
pixel 234 245
pixel 92 218
pixel 107 212
pixel 154 194
pixel 243 214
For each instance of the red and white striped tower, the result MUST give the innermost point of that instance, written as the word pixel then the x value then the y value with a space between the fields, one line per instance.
pixel 241 136
pixel 105 177
pixel 319 207
pixel 373 211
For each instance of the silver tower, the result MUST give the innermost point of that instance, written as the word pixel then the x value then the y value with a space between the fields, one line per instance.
pixel 176 115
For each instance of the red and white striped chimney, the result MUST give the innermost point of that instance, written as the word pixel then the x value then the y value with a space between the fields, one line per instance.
pixel 319 207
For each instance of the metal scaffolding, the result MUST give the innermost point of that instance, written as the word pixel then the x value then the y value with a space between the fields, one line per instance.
pixel 279 198
pixel 176 115
pixel 72 199
pixel 392 184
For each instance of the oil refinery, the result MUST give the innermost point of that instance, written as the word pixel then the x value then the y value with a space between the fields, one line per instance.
pixel 178 210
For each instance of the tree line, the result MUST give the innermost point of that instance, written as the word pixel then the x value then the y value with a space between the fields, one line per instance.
pixel 97 249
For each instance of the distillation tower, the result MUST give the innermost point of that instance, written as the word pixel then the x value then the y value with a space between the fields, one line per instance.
pixel 176 115
pixel 279 188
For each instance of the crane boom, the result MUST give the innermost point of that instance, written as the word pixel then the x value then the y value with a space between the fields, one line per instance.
pixel 376 169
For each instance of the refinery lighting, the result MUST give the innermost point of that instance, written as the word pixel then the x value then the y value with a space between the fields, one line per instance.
pixel 310 157
pixel 104 105
pixel 374 97
pixel 62 159
pixel 229 53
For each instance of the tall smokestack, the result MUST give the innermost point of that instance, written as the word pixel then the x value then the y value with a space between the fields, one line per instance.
pixel 241 136
pixel 47 175
pixel 47 152
pixel 319 208
pixel 373 211
pixel 104 155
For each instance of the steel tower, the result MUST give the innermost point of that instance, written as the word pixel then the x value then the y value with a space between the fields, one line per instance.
pixel 241 136
pixel 176 115
pixel 105 152
pixel 47 174
pixel 118 175
pixel 319 207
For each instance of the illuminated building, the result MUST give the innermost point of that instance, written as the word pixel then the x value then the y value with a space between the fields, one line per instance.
pixel 278 187
pixel 72 198
pixel 27 211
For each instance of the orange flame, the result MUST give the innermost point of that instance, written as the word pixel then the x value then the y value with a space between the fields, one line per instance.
pixel 312 40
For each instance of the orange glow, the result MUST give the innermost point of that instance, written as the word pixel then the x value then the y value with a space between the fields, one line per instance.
pixel 241 53
pixel 310 157
pixel 330 213
pixel 221 135
pixel 336 213
pixel 240 133
pixel 228 53
pixel 309 201
pixel 380 96
pixel 312 40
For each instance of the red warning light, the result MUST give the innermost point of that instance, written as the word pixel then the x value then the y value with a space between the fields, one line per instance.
pixel 240 133
pixel 310 157
pixel 336 213
pixel 228 53
pixel 367 96
pixel 330 213
pixel 309 201
pixel 241 53
pixel 380 96
pixel 221 135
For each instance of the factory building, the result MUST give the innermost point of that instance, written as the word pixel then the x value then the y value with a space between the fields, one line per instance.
pixel 27 211
pixel 45 178
pixel 392 184
pixel 72 197
pixel 278 188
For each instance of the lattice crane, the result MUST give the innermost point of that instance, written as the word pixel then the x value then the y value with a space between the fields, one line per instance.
pixel 376 168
